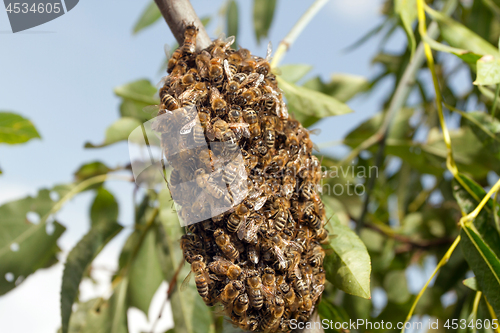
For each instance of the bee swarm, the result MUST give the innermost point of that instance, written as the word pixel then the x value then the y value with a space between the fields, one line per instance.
pixel 262 259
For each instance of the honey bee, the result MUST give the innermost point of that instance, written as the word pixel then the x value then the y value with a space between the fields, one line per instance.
pixel 317 255
pixel 202 64
pixel 172 59
pixel 224 243
pixel 322 236
pixel 241 305
pixel 277 310
pixel 237 218
pixel 262 66
pixel 250 159
pixel 201 277
pixel 190 78
pixel 230 292
pixel 288 294
pixel 269 137
pixel 221 45
pixel 281 216
pixel 248 231
pixel 250 323
pixel 205 182
pixel 199 135
pixel 169 101
pixel 190 39
pixel 252 254
pixel 175 178
pixel 215 72
pixel 250 96
pixel 254 289
pixel 194 94
pixel 224 133
pixel 318 284
pixel 217 102
pixel 269 284
pixel 221 266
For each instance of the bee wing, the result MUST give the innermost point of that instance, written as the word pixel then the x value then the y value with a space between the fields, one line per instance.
pixel 259 80
pixel 188 127
pixel 151 109
pixel 168 51
pixel 185 283
pixel 162 81
pixel 228 72
pixel 269 50
pixel 238 125
pixel 243 228
pixel 250 78
pixel 210 132
pixel 280 256
pixel 268 292
pixel 229 41
pixel 259 203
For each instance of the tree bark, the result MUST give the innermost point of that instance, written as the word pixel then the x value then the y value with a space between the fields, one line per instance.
pixel 178 14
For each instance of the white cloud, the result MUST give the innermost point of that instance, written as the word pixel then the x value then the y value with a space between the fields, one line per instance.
pixel 355 9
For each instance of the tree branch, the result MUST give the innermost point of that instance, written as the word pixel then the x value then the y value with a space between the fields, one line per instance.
pixel 179 13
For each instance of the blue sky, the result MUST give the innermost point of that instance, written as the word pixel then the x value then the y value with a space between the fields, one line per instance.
pixel 61 75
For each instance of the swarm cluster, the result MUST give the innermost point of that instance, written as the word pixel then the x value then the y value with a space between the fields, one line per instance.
pixel 262 259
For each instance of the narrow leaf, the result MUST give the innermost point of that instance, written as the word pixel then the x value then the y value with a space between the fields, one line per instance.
pixel 263 12
pixel 118 131
pixel 407 11
pixel 15 129
pixel 458 35
pixel 145 274
pixel 485 128
pixel 232 20
pixel 77 262
pixel 348 267
pixel 149 16
pixel 467 56
pixel 485 264
pixel 104 209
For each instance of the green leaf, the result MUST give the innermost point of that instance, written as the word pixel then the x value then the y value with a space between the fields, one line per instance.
pixel 15 129
pixel 407 11
pixel 488 71
pixel 301 100
pixel 145 274
pixel 348 267
pixel 190 313
pixel 293 73
pixel 105 316
pixel 90 170
pixel 396 287
pixel 77 262
pixel 485 128
pixel 25 246
pixel 467 56
pixel 232 21
pixel 485 264
pixel 134 109
pixel 471 283
pixel 139 91
pixel 263 12
pixel 104 208
pixel 480 239
pixel 149 16
pixel 118 131
pixel 458 35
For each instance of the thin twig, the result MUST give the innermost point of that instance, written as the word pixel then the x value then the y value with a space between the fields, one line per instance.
pixel 304 20
pixel 397 102
pixel 179 13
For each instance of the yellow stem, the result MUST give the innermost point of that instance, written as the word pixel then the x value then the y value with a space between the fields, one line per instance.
pixel 441 263
pixel 475 306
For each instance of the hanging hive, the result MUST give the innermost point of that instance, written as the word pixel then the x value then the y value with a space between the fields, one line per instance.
pixel 262 258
